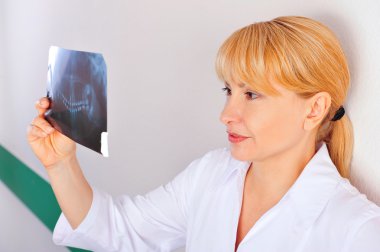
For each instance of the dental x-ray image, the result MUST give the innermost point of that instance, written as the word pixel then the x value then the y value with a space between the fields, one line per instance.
pixel 77 89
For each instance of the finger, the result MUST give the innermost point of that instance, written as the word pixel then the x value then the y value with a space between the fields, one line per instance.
pixel 43 125
pixel 42 105
pixel 35 132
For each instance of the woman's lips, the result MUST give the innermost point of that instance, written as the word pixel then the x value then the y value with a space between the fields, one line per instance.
pixel 236 138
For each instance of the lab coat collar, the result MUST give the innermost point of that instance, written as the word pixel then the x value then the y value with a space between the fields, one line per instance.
pixel 312 189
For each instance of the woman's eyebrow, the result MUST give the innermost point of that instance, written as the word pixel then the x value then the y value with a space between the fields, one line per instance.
pixel 241 85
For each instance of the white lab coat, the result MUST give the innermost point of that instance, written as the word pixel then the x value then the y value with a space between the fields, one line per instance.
pixel 200 209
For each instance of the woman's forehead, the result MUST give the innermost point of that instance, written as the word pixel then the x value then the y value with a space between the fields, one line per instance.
pixel 241 85
pixel 278 86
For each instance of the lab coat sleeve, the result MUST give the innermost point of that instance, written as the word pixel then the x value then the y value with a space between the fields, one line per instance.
pixel 367 237
pixel 156 221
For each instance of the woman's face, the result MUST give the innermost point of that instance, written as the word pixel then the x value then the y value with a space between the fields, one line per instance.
pixel 272 124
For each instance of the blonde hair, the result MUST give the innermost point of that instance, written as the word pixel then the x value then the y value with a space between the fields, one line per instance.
pixel 305 57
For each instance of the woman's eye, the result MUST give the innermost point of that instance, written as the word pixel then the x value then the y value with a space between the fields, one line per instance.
pixel 251 95
pixel 228 90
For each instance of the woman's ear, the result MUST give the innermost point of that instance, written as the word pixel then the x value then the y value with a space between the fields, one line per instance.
pixel 318 107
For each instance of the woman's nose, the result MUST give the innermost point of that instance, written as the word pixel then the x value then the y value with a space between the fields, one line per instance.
pixel 230 113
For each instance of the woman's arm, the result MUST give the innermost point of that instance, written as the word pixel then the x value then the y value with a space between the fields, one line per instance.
pixel 73 193
pixel 57 153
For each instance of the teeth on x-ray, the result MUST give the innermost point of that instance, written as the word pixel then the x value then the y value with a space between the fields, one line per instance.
pixel 74 106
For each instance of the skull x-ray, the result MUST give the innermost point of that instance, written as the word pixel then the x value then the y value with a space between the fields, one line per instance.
pixel 77 90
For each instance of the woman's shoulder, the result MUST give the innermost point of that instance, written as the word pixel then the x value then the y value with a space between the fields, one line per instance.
pixel 350 218
pixel 357 202
pixel 361 217
pixel 212 160
pixel 213 165
pixel 351 208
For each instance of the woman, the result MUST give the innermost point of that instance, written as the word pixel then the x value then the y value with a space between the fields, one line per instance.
pixel 282 185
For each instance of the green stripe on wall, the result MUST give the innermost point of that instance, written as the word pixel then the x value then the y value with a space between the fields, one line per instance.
pixel 31 189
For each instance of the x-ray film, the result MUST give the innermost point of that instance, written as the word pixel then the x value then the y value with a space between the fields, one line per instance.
pixel 77 90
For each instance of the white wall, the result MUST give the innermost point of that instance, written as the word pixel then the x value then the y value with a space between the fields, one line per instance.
pixel 2 66
pixel 164 98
